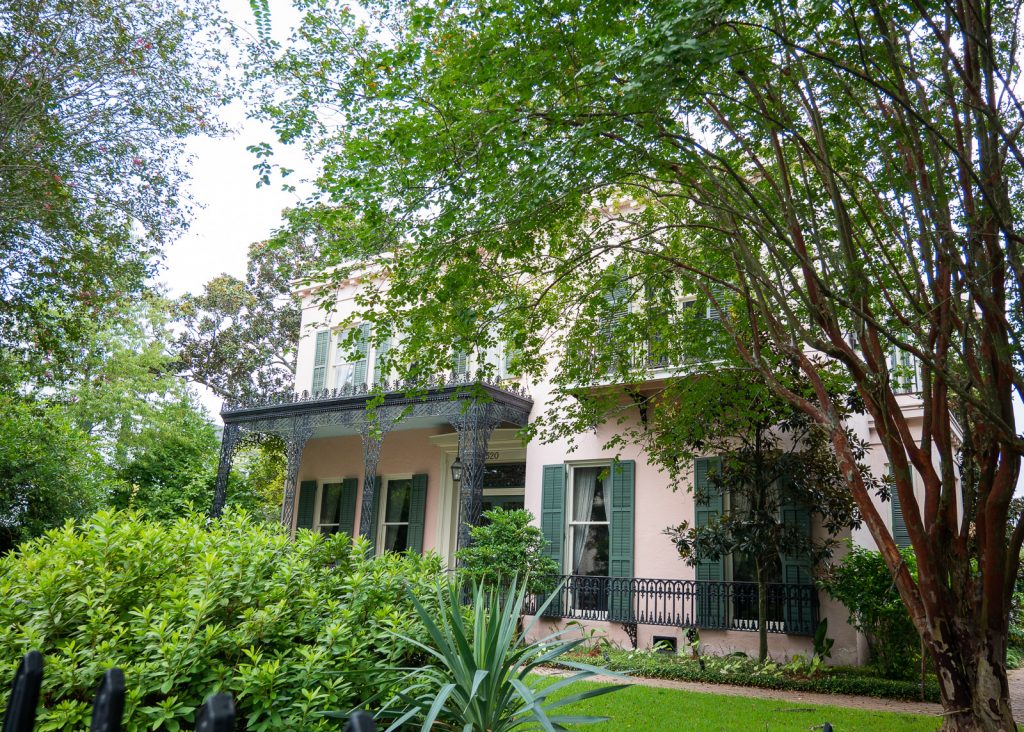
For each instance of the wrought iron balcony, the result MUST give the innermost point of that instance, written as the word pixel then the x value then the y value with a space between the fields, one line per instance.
pixel 792 609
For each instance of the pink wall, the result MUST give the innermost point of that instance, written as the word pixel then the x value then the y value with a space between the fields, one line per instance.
pixel 403 452
pixel 657 507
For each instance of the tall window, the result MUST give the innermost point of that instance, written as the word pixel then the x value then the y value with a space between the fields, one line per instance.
pixel 744 570
pixel 349 369
pixel 589 535
pixel 330 508
pixel 395 524
pixel 905 370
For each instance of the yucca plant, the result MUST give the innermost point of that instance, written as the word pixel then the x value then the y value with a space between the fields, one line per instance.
pixel 483 677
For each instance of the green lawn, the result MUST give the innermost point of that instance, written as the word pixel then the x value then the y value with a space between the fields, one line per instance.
pixel 652 709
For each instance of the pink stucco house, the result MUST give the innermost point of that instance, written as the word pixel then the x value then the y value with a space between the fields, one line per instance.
pixel 387 474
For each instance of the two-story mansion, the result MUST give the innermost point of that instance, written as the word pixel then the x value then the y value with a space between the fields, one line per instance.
pixel 412 474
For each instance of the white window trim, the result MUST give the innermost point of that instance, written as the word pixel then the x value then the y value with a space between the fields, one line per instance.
pixel 383 508
pixel 320 483
pixel 569 523
pixel 335 364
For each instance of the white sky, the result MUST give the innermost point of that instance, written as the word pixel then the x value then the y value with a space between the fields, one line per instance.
pixel 230 211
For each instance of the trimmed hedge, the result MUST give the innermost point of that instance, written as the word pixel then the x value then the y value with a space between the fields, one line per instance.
pixel 746 672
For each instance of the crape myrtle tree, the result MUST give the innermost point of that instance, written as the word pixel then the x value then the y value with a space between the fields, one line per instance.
pixel 96 102
pixel 847 173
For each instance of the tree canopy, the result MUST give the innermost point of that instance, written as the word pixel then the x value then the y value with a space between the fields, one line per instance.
pixel 96 101
pixel 847 174
pixel 239 338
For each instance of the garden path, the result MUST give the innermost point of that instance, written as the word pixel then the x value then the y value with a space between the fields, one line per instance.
pixel 1016 683
pixel 1016 679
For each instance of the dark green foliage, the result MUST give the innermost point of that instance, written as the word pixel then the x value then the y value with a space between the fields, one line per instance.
pixel 239 337
pixel 864 585
pixel 290 628
pixel 747 672
pixel 170 463
pixel 257 474
pixel 96 101
pixel 483 674
pixel 822 643
pixel 508 547
pixel 50 470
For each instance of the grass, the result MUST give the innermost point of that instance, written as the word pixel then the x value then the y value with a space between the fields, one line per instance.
pixel 652 709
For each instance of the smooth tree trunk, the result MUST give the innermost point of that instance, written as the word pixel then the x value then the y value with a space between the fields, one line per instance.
pixel 762 615
pixel 963 628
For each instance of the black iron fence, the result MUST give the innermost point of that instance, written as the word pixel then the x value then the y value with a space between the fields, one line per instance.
pixel 791 609
pixel 216 715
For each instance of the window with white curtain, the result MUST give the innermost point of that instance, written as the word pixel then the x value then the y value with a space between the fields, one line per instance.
pixel 588 521
pixel 589 535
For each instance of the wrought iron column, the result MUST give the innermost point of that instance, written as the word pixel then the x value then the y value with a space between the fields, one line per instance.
pixel 474 424
pixel 295 441
pixel 376 424
pixel 228 443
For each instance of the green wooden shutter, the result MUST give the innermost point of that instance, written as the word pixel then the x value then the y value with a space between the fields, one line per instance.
pixel 552 522
pixel 796 571
pixel 620 543
pixel 363 347
pixel 417 510
pixel 715 311
pixel 382 350
pixel 899 525
pixel 307 503
pixel 710 597
pixel 616 310
pixel 320 353
pixel 347 506
pixel 375 512
pixel 461 363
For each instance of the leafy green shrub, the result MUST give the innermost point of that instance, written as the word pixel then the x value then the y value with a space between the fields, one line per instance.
pixel 191 607
pixel 481 677
pixel 50 470
pixel 864 585
pixel 743 671
pixel 506 547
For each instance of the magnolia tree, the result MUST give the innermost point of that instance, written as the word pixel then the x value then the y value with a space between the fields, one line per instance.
pixel 776 466
pixel 834 180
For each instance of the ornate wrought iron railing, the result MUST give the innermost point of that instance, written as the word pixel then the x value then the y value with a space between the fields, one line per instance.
pixel 384 386
pixel 791 609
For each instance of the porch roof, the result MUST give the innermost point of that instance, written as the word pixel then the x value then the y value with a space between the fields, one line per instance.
pixel 408 404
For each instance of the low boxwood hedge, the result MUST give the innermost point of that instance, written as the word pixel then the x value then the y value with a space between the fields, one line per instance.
pixel 742 671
